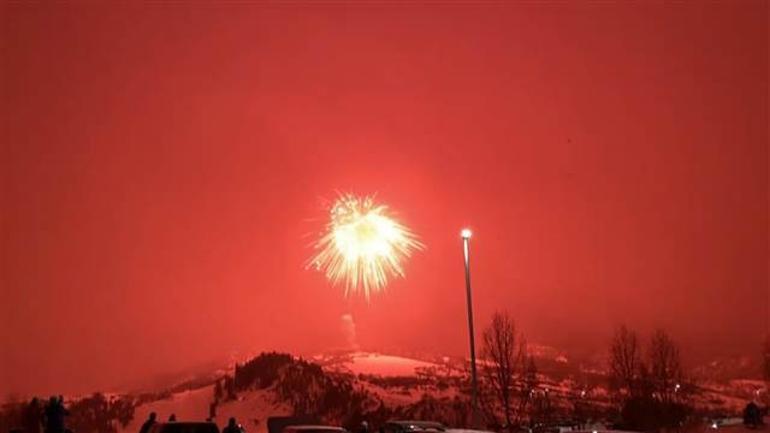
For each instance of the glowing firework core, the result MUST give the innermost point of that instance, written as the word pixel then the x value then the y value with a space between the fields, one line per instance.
pixel 363 245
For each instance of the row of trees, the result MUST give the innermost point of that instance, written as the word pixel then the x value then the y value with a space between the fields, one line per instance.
pixel 646 381
pixel 96 413
pixel 656 372
pixel 100 414
pixel 648 385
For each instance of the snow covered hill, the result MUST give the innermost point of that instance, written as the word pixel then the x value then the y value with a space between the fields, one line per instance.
pixel 405 382
pixel 251 409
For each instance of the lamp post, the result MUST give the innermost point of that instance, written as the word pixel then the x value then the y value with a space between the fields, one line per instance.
pixel 466 234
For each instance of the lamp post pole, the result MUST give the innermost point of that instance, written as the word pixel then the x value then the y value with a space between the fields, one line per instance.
pixel 466 234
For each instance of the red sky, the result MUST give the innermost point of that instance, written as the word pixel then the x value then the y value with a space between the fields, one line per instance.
pixel 163 169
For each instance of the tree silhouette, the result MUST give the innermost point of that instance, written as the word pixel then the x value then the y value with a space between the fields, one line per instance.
pixel 229 388
pixel 504 358
pixel 97 414
pixel 649 392
pixel 625 362
pixel 665 366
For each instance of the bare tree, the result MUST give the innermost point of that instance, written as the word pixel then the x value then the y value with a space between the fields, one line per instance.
pixel 503 359
pixel 665 371
pixel 625 361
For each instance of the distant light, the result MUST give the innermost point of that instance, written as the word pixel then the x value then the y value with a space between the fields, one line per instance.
pixel 466 233
pixel 714 425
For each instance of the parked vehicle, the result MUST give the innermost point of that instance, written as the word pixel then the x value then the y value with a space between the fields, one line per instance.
pixel 313 429
pixel 276 424
pixel 466 430
pixel 406 426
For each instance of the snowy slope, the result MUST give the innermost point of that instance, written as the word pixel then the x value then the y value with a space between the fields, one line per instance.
pixel 370 363
pixel 251 409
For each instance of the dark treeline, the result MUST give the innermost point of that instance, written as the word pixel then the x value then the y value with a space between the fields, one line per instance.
pixel 647 384
pixel 93 414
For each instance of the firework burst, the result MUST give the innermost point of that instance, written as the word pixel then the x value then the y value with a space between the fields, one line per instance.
pixel 363 246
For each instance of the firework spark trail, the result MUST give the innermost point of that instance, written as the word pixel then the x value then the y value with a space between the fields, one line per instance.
pixel 363 246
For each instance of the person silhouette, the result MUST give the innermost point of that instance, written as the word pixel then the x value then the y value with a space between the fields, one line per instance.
pixel 172 418
pixel 147 425
pixel 54 414
pixel 752 416
pixel 32 416
pixel 232 427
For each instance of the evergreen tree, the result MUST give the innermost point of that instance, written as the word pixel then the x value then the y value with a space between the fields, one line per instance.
pixel 230 388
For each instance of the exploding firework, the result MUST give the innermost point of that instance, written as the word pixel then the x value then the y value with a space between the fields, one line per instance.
pixel 363 246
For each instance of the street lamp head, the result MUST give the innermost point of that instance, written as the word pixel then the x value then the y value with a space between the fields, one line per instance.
pixel 466 233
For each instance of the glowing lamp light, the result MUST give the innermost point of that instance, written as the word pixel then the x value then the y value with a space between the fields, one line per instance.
pixel 466 234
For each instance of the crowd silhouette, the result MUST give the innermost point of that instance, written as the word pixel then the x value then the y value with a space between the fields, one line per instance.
pixel 50 417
